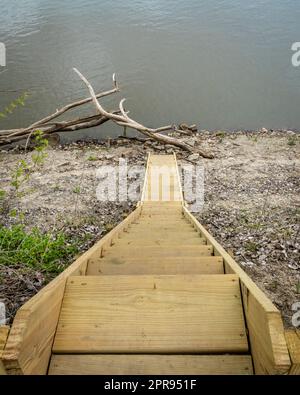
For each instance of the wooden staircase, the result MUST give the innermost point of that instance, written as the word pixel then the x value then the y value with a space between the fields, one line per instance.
pixel 158 295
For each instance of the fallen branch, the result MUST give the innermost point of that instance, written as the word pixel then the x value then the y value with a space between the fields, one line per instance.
pixel 124 120
pixel 14 135
pixel 49 125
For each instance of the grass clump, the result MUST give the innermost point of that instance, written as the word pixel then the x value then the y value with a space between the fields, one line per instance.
pixel 292 141
pixel 37 250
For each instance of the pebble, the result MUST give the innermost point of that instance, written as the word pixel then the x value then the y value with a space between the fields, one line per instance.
pixel 194 157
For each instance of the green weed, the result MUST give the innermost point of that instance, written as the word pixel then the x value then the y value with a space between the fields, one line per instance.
pixel 35 249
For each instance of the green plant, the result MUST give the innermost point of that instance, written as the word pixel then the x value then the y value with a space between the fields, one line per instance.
pixel 251 246
pixel 41 251
pixel 92 158
pixel 20 175
pixel 292 141
pixel 41 144
pixel 2 194
pixel 298 287
pixel 11 107
pixel 24 168
pixel 76 190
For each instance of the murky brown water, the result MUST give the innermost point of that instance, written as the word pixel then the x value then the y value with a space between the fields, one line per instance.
pixel 220 64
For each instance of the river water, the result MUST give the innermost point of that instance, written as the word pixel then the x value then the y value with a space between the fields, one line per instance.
pixel 220 64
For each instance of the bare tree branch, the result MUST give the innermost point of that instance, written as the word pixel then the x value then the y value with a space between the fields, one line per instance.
pixel 121 117
pixel 125 120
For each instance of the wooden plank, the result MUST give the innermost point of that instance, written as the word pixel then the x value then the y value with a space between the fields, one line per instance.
pixel 161 223
pixel 151 314
pixel 160 252
pixel 293 342
pixel 151 365
pixel 164 237
pixel 162 181
pixel 28 347
pixel 167 208
pixel 162 260
pixel 205 265
pixel 154 242
pixel 166 214
pixel 160 230
pixel 162 204
pixel 4 331
pixel 264 322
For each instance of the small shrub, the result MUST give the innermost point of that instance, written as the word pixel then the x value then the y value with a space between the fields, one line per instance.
pixel 291 141
pixel 11 107
pixel 41 251
pixel 41 144
pixel 92 158
pixel 76 190
pixel 251 247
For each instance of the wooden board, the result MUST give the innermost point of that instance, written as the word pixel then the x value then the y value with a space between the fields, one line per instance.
pixel 168 243
pixel 151 314
pixel 167 237
pixel 151 365
pixel 162 180
pixel 264 322
pixel 162 225
pixel 293 342
pixel 4 331
pixel 193 251
pixel 205 265
pixel 161 204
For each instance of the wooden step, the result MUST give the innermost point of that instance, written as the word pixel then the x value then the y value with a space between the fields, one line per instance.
pixel 180 228
pixel 167 242
pixel 162 230
pixel 161 223
pixel 162 260
pixel 163 214
pixel 161 204
pixel 151 314
pixel 151 365
pixel 156 266
pixel 148 251
pixel 162 210
pixel 154 237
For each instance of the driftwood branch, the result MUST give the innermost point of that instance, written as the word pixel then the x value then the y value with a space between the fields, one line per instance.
pixel 124 120
pixel 50 125
pixel 47 126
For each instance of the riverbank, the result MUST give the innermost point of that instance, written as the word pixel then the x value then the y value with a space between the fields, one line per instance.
pixel 252 204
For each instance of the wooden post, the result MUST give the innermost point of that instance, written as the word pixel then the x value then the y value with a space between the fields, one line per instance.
pixel 293 342
pixel 4 330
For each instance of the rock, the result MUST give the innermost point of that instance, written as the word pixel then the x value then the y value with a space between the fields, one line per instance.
pixel 194 157
pixel 193 128
pixel 264 130
pixel 183 126
pixel 290 133
pixel 192 142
